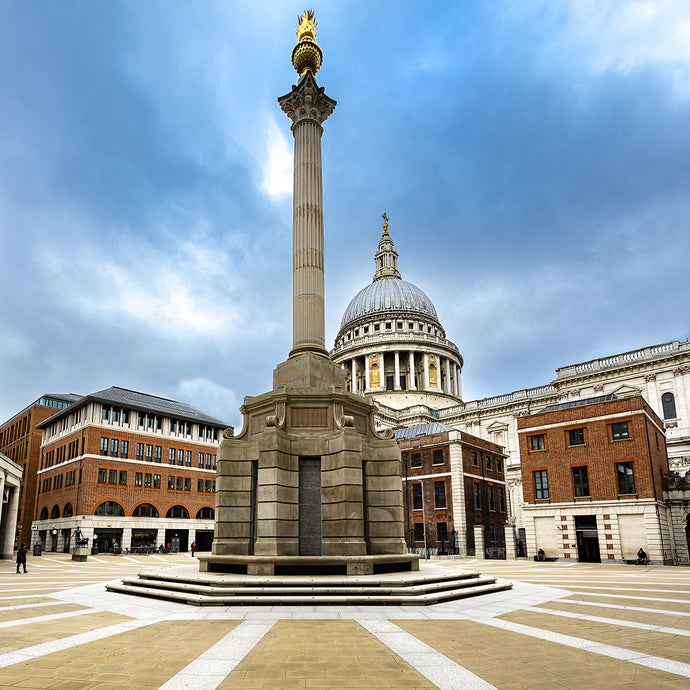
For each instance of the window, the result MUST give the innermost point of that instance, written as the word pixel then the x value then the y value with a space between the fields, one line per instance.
pixel 178 483
pixel 501 500
pixel 206 513
pixel 105 412
pixel 149 453
pixel 156 481
pixel 188 458
pixel 147 480
pixel 668 405
pixel 208 485
pixel 475 461
pixel 178 512
pixel 490 496
pixel 102 475
pixel 199 484
pixel 209 461
pixel 138 478
pixel 159 452
pixel 477 497
pixel 537 442
pixel 580 481
pixel 171 482
pixel 110 508
pixel 187 484
pixel 418 531
pixel 488 462
pixel 441 532
pixel 499 467
pixel 437 456
pixel 145 510
pixel 140 451
pixel 171 456
pixel 416 460
pixel 440 494
pixel 123 477
pixel 114 447
pixel 124 449
pixel 541 485
pixel 417 501
pixel 201 460
pixel 576 437
pixel 104 446
pixel 180 457
pixel 626 480
pixel 619 431
pixel 112 476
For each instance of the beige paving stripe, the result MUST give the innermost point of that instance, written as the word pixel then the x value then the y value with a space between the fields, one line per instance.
pixel 523 657
pixel 37 639
pixel 616 634
pixel 137 654
pixel 14 613
pixel 580 615
pixel 621 600
pixel 322 654
pixel 631 613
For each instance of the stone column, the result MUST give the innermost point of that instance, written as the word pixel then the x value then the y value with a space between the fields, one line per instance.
pixel 479 541
pixel 511 542
pixel 353 367
pixel 425 383
pixel 366 373
pixel 412 385
pixel 449 386
pixel 396 384
pixel 308 107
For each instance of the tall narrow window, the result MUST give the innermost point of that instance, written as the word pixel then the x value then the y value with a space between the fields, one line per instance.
pixel 580 481
pixel 440 494
pixel 626 479
pixel 418 531
pixel 668 404
pixel 417 502
pixel 477 497
pixel 104 446
pixel 124 449
pixel 114 447
pixel 541 485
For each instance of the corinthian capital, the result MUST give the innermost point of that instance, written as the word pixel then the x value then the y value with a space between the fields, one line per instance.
pixel 307 101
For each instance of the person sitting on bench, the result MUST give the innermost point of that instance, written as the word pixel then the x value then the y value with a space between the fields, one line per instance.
pixel 641 557
pixel 541 555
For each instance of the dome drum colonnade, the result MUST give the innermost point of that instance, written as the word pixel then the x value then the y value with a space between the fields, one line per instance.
pixel 391 341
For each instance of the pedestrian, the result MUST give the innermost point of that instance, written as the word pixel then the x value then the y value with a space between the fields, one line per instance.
pixel 541 555
pixel 21 556
pixel 193 548
pixel 641 557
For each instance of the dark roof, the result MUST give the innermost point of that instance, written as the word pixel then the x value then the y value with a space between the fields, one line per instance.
pixel 579 403
pixel 64 397
pixel 417 430
pixel 142 402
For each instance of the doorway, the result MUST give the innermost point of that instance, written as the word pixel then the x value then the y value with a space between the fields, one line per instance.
pixel 587 539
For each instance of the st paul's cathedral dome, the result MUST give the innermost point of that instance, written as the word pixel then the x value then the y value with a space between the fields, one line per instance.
pixel 391 342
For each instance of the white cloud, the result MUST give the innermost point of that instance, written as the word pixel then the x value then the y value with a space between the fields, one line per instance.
pixel 277 169
pixel 211 398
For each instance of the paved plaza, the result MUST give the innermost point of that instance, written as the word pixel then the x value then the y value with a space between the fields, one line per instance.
pixel 561 626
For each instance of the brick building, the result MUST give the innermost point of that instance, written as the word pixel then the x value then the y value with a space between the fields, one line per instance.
pixel 454 490
pixel 593 475
pixel 20 440
pixel 129 470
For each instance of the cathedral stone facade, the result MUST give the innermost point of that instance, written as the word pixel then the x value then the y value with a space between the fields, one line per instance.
pixel 393 348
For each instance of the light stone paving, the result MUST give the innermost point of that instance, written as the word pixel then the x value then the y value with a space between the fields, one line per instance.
pixel 629 628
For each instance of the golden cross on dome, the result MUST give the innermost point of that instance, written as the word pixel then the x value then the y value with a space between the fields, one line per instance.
pixel 384 215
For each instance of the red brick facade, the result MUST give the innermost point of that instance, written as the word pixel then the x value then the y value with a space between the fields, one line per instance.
pixel 557 442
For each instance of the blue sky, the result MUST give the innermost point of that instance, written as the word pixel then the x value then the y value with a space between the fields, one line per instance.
pixel 533 157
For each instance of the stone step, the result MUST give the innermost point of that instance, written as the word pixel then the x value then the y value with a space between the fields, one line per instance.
pixel 410 588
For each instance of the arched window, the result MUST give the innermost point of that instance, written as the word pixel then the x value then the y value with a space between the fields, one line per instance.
pixel 55 513
pixel 206 513
pixel 145 510
pixel 68 511
pixel 44 514
pixel 178 512
pixel 668 404
pixel 110 508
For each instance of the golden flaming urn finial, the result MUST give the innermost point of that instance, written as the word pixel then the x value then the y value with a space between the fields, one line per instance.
pixel 307 54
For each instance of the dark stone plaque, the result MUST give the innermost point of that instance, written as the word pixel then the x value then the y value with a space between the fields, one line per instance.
pixel 310 506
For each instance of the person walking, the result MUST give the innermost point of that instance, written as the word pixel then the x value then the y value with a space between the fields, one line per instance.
pixel 21 556
pixel 193 548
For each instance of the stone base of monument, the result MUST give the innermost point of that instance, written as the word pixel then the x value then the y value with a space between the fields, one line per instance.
pixel 80 553
pixel 430 585
pixel 308 565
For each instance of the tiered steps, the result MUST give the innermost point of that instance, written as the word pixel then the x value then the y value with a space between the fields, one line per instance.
pixel 187 585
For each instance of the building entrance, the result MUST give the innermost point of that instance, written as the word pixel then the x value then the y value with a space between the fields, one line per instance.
pixel 587 539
